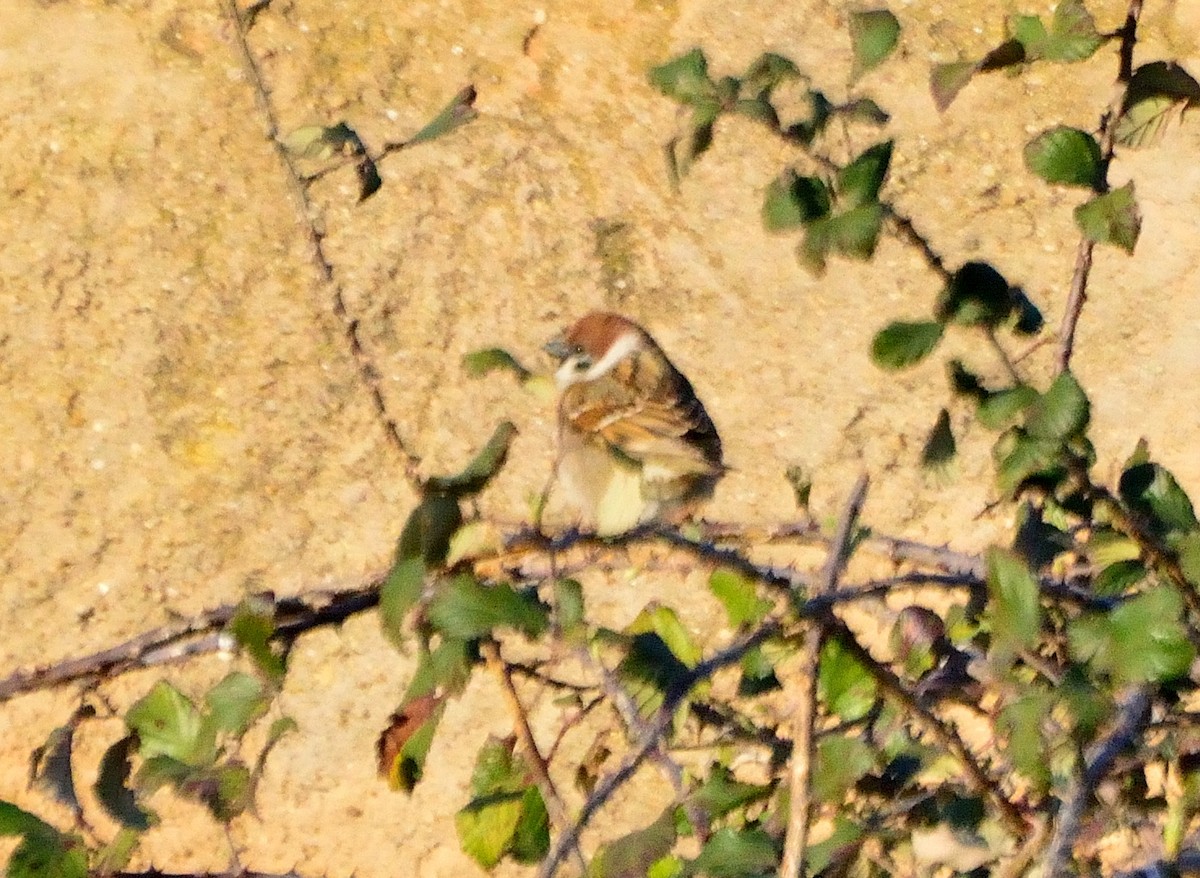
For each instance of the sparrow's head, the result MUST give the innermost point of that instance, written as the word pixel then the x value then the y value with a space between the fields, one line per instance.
pixel 594 346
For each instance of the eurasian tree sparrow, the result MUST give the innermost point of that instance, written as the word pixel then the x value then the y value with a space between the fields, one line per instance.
pixel 636 445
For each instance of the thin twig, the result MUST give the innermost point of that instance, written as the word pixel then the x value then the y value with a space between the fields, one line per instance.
pixel 176 641
pixel 805 698
pixel 650 739
pixel 1002 355
pixel 945 735
pixel 1131 721
pixel 635 728
pixel 1108 134
pixel 308 213
pixel 541 769
pixel 907 232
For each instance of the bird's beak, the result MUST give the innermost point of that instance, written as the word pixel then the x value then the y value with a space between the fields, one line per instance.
pixel 557 348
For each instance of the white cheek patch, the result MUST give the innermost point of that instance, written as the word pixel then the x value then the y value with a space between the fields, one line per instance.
pixel 567 374
pixel 621 348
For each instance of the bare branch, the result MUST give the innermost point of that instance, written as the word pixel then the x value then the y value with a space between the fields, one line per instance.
pixel 1131 722
pixel 541 769
pixel 650 739
pixel 804 702
pixel 308 213
pixel 1108 133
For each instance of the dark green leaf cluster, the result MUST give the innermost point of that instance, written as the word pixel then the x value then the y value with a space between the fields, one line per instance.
pixel 771 91
pixel 1071 36
pixel 451 610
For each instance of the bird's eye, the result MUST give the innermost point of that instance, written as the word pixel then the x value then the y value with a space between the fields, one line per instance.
pixel 583 363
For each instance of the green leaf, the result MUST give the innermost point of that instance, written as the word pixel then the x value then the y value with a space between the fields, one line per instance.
pixel 1112 218
pixel 873 35
pixel 844 684
pixel 900 344
pixel 1020 457
pixel 320 142
pixel 167 723
pixel 531 839
pixel 841 761
pixel 669 866
pixel 976 295
pixel 1000 407
pixel 947 80
pixel 765 73
pixel 253 626
pixel 506 814
pixel 446 668
pixel 480 363
pixel 466 609
pixel 682 151
pixel 1157 93
pixel 859 182
pixel 793 201
pixel 487 825
pixel 160 771
pixel 758 109
pixel 633 855
pixel 853 233
pixel 16 821
pixel 846 838
pixel 1065 155
pixel 228 791
pixel 863 110
pixel 1014 608
pixel 1152 492
pixel 758 674
pixel 236 702
pixel 664 621
pixel 1029 31
pixel 732 853
pixel 399 593
pixel 116 855
pixel 1189 557
pixel 1072 35
pixel 112 789
pixel 1118 578
pixel 569 614
pixel 1143 640
pixel 650 669
pixel 1061 413
pixel 44 852
pixel 480 470
pixel 428 531
pixel 721 793
pixel 685 79
pixel 455 114
pixel 739 596
pixel 279 728
pixel 940 447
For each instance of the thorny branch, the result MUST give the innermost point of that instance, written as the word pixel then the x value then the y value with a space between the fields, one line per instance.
pixel 1131 722
pixel 650 739
pixel 179 641
pixel 805 697
pixel 1108 133
pixel 308 214
pixel 541 768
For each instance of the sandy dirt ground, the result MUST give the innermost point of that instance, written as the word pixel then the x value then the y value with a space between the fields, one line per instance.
pixel 182 422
